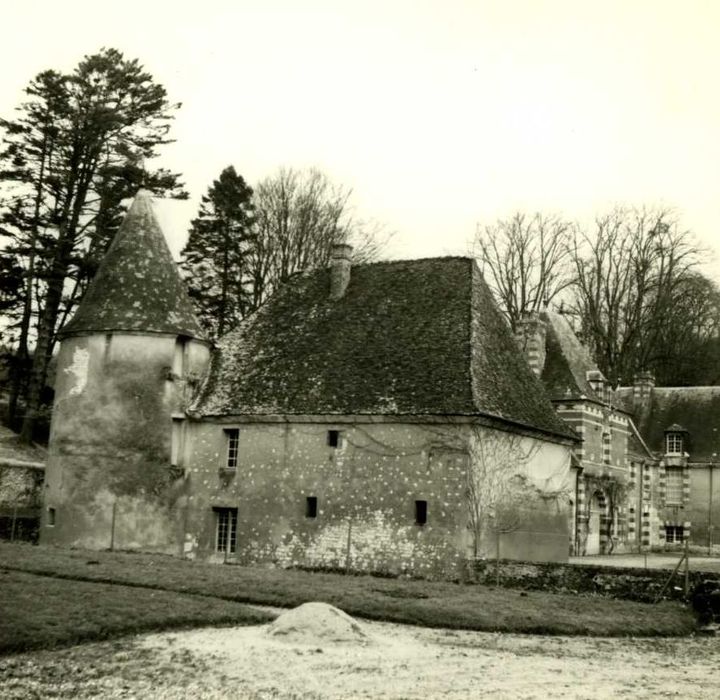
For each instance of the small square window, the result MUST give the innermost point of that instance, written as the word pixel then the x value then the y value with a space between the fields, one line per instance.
pixel 311 507
pixel 334 438
pixel 674 534
pixel 420 512
pixel 232 437
pixel 51 517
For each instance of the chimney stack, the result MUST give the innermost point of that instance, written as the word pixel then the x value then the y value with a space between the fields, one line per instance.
pixel 530 335
pixel 340 263
pixel 643 384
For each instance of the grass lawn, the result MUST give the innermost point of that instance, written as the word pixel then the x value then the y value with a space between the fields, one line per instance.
pixel 39 611
pixel 431 604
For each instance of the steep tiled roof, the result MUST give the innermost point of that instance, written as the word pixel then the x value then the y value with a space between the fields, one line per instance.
pixel 567 361
pixel 696 409
pixel 137 286
pixel 419 337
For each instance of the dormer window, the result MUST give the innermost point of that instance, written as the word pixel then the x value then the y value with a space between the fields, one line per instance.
pixel 673 443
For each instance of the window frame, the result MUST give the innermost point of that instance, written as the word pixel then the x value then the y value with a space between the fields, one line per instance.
pixel 674 495
pixel 225 530
pixel 232 448
pixel 678 534
pixel 674 440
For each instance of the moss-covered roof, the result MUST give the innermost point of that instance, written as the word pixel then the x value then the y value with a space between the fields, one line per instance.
pixel 696 409
pixel 419 337
pixel 137 287
pixel 567 361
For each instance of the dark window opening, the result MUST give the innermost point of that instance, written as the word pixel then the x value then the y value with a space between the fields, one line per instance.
pixel 420 512
pixel 51 517
pixel 180 356
pixel 674 534
pixel 232 437
pixel 311 507
pixel 226 533
pixel 175 441
pixel 334 438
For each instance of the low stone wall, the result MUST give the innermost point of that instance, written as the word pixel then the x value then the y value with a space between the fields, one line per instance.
pixel 642 585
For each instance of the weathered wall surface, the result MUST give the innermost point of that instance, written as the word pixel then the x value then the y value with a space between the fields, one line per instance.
pixel 522 487
pixel 702 509
pixel 109 481
pixel 366 491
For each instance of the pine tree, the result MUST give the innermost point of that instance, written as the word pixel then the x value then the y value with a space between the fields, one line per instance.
pixel 215 257
pixel 68 160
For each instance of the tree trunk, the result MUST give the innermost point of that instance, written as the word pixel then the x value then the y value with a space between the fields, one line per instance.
pixel 46 329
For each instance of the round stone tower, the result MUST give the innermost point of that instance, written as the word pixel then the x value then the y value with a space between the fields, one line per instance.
pixel 128 364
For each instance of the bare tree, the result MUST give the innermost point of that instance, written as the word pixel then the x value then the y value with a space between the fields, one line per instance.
pixel 300 214
pixel 497 489
pixel 525 260
pixel 630 272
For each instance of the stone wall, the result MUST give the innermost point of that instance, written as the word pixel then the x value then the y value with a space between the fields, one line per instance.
pixel 367 491
pixel 630 584
pixel 110 481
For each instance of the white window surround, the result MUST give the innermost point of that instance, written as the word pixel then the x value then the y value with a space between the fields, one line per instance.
pixel 674 443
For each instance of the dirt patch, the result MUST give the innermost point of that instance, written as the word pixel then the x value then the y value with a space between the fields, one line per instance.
pixel 317 623
pixel 402 662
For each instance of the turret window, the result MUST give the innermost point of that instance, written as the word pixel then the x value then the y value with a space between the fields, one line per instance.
pixel 180 356
pixel 674 443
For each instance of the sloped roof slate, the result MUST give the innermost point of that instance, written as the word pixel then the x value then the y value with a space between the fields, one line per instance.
pixel 697 409
pixel 567 361
pixel 137 287
pixel 418 337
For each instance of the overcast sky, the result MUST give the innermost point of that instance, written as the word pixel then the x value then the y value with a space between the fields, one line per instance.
pixel 439 114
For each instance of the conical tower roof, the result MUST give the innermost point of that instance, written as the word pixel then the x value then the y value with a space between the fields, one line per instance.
pixel 137 287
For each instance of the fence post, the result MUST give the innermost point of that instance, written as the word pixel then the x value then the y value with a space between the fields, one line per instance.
pixel 112 526
pixel 14 520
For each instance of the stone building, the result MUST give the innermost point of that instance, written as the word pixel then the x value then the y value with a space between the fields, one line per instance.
pixel 374 417
pixel 644 473
pixel 679 494
pixel 602 462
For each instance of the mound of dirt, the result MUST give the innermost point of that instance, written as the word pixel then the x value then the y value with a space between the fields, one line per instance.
pixel 314 623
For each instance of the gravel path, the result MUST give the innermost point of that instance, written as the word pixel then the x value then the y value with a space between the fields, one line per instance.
pixel 388 661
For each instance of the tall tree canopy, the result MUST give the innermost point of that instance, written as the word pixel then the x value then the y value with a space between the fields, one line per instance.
pixel 74 151
pixel 215 259
pixel 638 294
pixel 525 259
pixel 630 280
pixel 243 245
pixel 300 214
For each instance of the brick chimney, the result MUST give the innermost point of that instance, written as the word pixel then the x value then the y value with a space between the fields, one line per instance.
pixel 340 263
pixel 530 335
pixel 643 384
